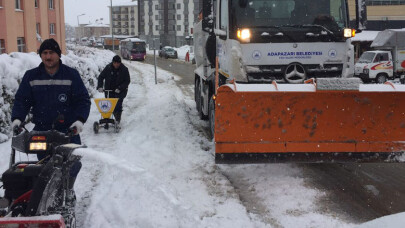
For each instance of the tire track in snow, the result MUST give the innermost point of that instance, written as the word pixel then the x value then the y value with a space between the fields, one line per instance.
pixel 103 140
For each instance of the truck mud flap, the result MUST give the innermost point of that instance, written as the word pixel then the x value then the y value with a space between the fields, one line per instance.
pixel 303 123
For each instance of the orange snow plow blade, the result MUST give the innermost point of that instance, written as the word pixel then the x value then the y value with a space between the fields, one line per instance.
pixel 308 123
pixel 50 221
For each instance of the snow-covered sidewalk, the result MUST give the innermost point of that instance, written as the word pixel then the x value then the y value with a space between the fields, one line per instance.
pixel 159 171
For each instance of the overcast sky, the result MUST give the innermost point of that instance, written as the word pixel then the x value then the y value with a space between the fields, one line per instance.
pixel 94 9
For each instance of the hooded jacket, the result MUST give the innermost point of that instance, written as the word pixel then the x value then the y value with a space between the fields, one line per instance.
pixel 48 96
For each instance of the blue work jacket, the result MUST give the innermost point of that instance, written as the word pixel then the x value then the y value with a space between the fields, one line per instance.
pixel 48 96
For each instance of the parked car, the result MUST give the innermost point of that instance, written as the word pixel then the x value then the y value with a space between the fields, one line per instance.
pixel 168 52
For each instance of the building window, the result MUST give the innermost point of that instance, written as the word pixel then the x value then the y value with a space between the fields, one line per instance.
pixel 36 3
pixel 178 27
pixel 384 2
pixel 178 5
pixel 157 27
pixel 1 3
pixel 50 4
pixel 178 16
pixel 156 17
pixel 2 47
pixel 52 29
pixel 18 4
pixel 21 44
pixel 156 7
pixel 38 29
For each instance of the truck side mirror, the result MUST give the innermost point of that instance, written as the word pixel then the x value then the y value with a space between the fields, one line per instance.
pixel 361 15
pixel 207 16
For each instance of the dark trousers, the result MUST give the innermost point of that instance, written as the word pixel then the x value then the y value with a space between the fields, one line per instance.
pixel 118 107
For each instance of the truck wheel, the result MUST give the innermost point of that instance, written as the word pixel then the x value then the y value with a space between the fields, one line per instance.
pixel 197 94
pixel 211 117
pixel 381 78
pixel 199 101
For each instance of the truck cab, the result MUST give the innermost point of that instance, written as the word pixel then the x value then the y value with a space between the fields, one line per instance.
pixel 260 42
pixel 375 66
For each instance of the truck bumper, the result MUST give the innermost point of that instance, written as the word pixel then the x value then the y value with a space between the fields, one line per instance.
pixel 363 76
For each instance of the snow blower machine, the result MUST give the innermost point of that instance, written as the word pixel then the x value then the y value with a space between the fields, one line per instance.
pixel 36 193
pixel 106 108
pixel 275 80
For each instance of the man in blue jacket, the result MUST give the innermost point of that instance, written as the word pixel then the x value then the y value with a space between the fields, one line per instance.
pixel 53 89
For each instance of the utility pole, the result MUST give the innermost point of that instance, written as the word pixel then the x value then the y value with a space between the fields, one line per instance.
pixel 78 26
pixel 112 27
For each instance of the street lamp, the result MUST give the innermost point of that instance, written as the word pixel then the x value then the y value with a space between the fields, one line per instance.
pixel 78 24
pixel 112 29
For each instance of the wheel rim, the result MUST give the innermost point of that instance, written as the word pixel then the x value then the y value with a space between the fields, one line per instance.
pixel 381 79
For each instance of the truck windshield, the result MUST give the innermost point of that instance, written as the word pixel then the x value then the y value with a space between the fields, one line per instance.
pixel 366 57
pixel 298 14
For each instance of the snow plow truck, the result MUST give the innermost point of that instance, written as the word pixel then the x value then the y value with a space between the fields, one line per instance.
pixel 274 78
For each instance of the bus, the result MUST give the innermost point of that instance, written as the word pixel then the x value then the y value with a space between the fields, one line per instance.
pixel 133 49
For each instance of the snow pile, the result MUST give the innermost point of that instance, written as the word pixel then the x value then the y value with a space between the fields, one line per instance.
pixel 12 69
pixel 338 83
pixel 392 221
pixel 88 61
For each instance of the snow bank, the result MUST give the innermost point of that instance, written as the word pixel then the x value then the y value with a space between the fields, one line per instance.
pixel 88 61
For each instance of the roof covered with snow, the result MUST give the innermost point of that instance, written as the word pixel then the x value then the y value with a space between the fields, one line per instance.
pixel 390 38
pixel 125 4
pixel 134 40
pixel 365 36
pixel 116 36
pixel 97 25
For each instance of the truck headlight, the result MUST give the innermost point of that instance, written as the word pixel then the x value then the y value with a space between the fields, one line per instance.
pixel 244 35
pixel 349 32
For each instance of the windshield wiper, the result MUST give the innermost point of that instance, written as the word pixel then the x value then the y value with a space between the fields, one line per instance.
pixel 329 32
pixel 278 28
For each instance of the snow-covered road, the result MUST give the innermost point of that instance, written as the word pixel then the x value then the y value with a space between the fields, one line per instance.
pixel 159 171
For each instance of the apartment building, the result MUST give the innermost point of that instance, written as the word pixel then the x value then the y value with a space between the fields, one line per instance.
pixel 170 21
pixel 25 23
pixel 96 30
pixel 124 18
pixel 382 14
